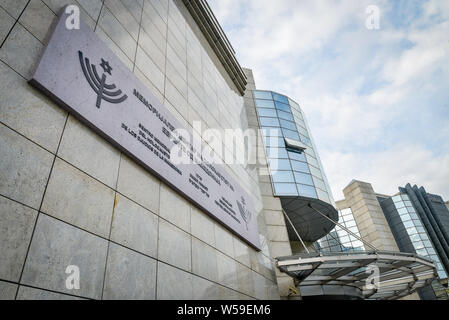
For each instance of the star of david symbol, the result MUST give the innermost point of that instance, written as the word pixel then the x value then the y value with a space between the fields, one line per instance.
pixel 106 67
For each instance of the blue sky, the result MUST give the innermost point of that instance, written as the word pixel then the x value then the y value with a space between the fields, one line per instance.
pixel 377 101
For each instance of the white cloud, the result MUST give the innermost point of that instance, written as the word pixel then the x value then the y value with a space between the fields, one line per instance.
pixel 354 84
pixel 429 51
pixel 389 169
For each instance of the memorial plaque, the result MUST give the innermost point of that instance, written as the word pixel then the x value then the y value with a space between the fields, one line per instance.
pixel 80 73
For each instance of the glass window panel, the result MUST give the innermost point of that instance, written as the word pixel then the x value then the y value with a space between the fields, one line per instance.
pixel 290 134
pixel 285 115
pixel 303 131
pixel 351 223
pixel 303 178
pixel 267 113
pixel 424 236
pixel 354 229
pixel 297 156
pixel 283 176
pixel 294 105
pixel 300 122
pixel 358 243
pixel 277 153
pixel 414 216
pixel 322 195
pixel 271 132
pixel 319 183
pixel 307 191
pixel 400 204
pixel 269 122
pixel 300 166
pixel 280 98
pixel 434 257
pixel 276 142
pixel 269 104
pixel 408 224
pixel 297 114
pixel 288 125
pixel 335 248
pixel 418 245
pixel 405 197
pixel 279 164
pixel 421 252
pixel 411 209
pixel 427 243
pixel 310 152
pixel 403 211
pixel 312 161
pixel 408 203
pixel 412 231
pixel 397 199
pixel 282 107
pixel 420 229
pixel 306 140
pixel 315 172
pixel 417 222
pixel 262 95
pixel 285 189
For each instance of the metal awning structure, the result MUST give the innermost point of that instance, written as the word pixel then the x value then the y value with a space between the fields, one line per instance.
pixel 348 274
pixel 310 218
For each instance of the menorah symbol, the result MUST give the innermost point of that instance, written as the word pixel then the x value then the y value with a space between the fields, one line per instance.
pixel 99 85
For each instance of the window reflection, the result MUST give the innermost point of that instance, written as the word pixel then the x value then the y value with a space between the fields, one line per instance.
pixel 303 178
pixel 290 134
pixel 307 191
pixel 267 112
pixel 288 125
pixel 283 176
pixel 269 122
pixel 265 104
pixel 300 166
pixel 285 189
pixel 282 107
pixel 262 95
pixel 280 98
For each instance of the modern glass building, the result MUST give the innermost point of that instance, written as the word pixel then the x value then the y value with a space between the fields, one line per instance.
pixel 336 266
pixel 295 166
pixel 419 222
pixel 296 172
pixel 409 230
pixel 339 239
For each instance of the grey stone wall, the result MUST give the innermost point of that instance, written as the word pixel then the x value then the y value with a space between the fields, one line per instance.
pixel 368 214
pixel 67 197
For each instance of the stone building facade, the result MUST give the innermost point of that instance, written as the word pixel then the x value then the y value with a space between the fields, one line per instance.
pixel 68 197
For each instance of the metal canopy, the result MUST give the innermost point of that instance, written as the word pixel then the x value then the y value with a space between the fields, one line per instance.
pixel 327 274
pixel 310 225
